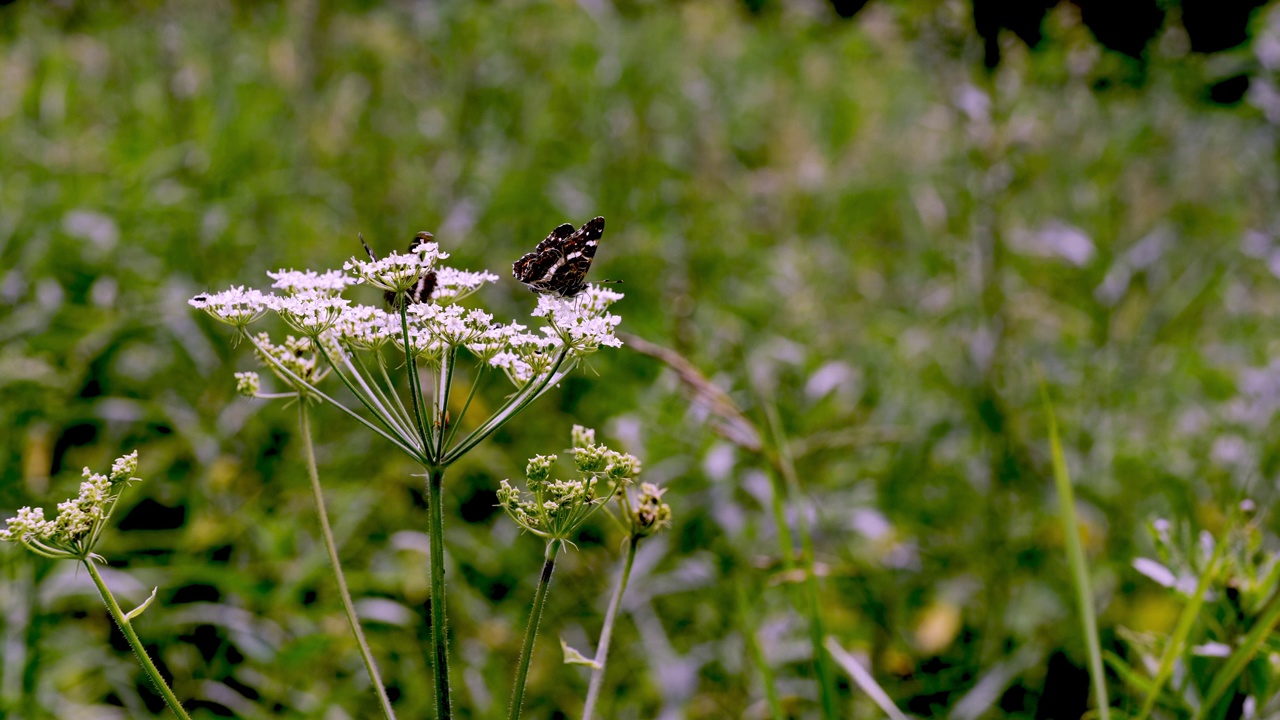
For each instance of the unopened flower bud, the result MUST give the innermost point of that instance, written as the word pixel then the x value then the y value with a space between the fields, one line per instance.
pixel 539 468
pixel 248 384
pixel 583 437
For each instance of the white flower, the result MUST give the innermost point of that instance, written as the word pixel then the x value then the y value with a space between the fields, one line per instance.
pixel 80 519
pixel 292 282
pixel 366 327
pixel 311 312
pixel 235 306
pixel 581 321
pixel 452 325
pixel 397 272
pixel 453 285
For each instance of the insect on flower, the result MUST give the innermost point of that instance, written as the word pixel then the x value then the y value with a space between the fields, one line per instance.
pixel 559 264
pixel 426 285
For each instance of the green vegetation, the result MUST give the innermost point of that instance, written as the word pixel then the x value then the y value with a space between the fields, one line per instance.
pixel 845 247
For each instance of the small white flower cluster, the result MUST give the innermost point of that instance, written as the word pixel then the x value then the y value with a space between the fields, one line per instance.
pixel 235 306
pixel 583 321
pixel 311 304
pixel 80 520
pixel 554 509
pixel 452 285
pixel 296 355
pixel 398 271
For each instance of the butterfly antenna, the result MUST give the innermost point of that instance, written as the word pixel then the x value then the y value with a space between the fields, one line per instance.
pixel 366 247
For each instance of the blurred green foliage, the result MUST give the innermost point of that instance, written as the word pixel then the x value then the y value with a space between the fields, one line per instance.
pixel 850 219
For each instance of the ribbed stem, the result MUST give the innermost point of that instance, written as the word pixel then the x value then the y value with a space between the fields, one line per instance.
pixel 439 624
pixel 347 606
pixel 531 632
pixel 606 632
pixel 140 652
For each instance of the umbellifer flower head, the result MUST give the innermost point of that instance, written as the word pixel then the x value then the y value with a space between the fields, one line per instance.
pixel 80 520
pixel 555 508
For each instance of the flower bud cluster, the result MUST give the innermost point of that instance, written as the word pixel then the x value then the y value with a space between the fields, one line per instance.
pixel 80 520
pixel 296 355
pixel 248 384
pixel 555 508
pixel 647 514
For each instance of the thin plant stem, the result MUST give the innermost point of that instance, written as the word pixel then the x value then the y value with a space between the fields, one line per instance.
pixel 757 654
pixel 394 410
pixel 442 397
pixel 126 627
pixel 439 623
pixel 313 390
pixel 366 398
pixel 606 632
pixel 522 399
pixel 475 383
pixel 1075 556
pixel 347 606
pixel 391 388
pixel 415 382
pixel 531 632
pixel 817 630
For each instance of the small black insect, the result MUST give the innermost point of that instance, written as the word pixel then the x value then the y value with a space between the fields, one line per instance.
pixel 422 289
pixel 559 264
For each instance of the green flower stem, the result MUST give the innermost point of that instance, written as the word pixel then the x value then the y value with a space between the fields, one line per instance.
pixel 531 632
pixel 395 410
pixel 366 398
pixel 391 388
pixel 522 399
pixel 1075 556
pixel 348 607
pixel 442 397
pixel 606 632
pixel 457 423
pixel 786 468
pixel 313 390
pixel 415 382
pixel 140 652
pixel 439 626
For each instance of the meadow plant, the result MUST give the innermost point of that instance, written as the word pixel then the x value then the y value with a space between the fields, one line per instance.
pixel 554 509
pixel 421 340
pixel 74 533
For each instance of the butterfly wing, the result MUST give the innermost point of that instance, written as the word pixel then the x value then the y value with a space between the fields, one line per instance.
pixel 559 264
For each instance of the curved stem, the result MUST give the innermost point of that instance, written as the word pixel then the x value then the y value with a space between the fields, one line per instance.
pixel 522 399
pixel 457 423
pixel 531 632
pixel 606 632
pixel 442 397
pixel 415 382
pixel 313 390
pixel 347 606
pixel 785 466
pixel 439 626
pixel 366 398
pixel 127 628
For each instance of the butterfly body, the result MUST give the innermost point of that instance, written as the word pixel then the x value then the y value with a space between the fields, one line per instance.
pixel 422 289
pixel 559 263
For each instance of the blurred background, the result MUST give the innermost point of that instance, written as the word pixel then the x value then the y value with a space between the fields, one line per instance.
pixel 878 217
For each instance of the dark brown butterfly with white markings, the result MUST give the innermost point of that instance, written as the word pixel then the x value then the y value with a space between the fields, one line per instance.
pixel 426 284
pixel 559 264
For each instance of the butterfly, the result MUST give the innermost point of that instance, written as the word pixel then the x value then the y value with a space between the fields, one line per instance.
pixel 426 284
pixel 559 264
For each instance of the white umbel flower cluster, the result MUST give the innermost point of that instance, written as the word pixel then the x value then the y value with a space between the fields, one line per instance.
pixel 426 325
pixel 80 520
